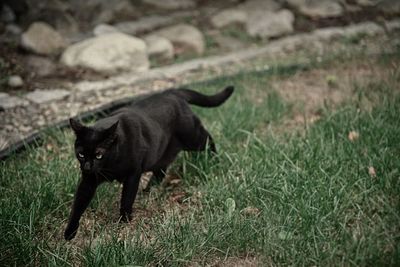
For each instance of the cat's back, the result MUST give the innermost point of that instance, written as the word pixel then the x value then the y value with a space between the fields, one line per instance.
pixel 161 100
pixel 162 106
pixel 156 110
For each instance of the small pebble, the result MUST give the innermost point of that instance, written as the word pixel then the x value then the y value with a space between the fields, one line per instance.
pixel 15 81
pixel 353 136
pixel 371 171
pixel 13 29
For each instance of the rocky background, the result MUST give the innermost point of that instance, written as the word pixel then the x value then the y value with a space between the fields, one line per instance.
pixel 50 49
pixel 48 42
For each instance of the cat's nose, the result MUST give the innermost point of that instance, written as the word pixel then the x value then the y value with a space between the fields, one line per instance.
pixel 86 166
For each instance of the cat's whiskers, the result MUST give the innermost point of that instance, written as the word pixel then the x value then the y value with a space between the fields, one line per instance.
pixel 103 173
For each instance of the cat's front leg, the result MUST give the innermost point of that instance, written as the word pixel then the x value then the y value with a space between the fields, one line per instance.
pixel 129 191
pixel 84 194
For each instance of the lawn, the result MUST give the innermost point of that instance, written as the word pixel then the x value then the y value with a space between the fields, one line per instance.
pixel 296 182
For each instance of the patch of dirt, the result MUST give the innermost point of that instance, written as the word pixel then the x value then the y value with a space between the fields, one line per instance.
pixel 308 92
pixel 313 89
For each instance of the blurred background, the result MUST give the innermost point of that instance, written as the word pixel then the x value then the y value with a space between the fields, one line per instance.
pixel 36 36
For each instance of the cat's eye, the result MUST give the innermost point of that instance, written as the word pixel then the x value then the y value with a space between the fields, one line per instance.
pixel 81 155
pixel 99 156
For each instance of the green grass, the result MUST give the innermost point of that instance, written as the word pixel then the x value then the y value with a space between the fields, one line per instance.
pixel 317 204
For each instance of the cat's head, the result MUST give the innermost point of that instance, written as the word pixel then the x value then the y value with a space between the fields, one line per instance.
pixel 94 147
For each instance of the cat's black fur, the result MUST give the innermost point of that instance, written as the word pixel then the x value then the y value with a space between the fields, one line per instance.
pixel 146 136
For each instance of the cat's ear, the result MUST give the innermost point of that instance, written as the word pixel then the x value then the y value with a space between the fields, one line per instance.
pixel 110 134
pixel 111 131
pixel 76 126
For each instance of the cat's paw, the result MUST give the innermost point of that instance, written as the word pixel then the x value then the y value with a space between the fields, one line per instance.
pixel 71 231
pixel 125 217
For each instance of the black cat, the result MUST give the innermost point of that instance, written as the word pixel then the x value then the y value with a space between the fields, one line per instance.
pixel 146 136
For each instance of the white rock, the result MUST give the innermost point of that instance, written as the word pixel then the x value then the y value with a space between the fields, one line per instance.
pixel 7 101
pixel 171 4
pixel 367 2
pixel 159 48
pixel 110 52
pixel 229 17
pixel 104 29
pixel 184 37
pixel 267 25
pixel 43 96
pixel 42 39
pixel 317 8
pixel 15 81
pixel 251 6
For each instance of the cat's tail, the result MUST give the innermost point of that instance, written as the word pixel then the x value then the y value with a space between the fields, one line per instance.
pixel 198 99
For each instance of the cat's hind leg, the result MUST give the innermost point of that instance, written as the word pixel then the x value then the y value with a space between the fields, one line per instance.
pixel 156 178
pixel 196 138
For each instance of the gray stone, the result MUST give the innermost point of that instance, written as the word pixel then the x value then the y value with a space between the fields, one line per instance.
pixel 393 25
pixel 170 4
pixel 41 66
pixel 95 12
pixel 367 2
pixel 13 29
pixel 326 34
pixel 229 17
pixel 185 38
pixel 56 13
pixel 104 29
pixel 317 8
pixel 352 8
pixel 42 39
pixel 6 14
pixel 228 43
pixel 110 52
pixel 159 48
pixel 7 101
pixel 389 7
pixel 62 21
pixel 144 24
pixel 267 25
pixel 149 23
pixel 251 6
pixel 79 37
pixel 364 28
pixel 122 10
pixel 110 11
pixel 44 96
pixel 15 81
